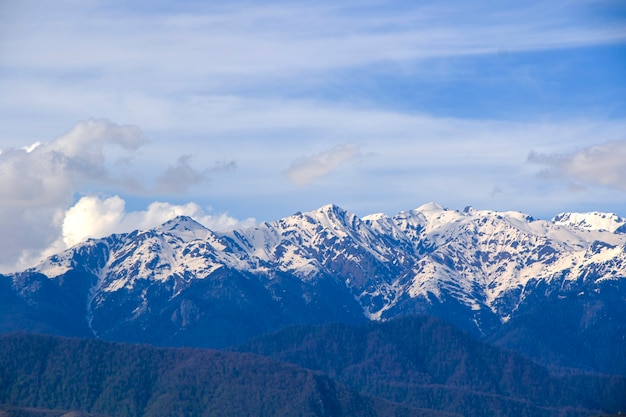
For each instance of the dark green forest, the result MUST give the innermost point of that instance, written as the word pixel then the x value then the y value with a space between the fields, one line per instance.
pixel 413 366
pixel 109 379
pixel 425 362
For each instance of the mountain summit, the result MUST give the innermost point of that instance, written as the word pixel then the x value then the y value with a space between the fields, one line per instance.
pixel 490 273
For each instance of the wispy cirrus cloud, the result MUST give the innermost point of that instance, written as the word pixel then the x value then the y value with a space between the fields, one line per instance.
pixel 275 36
pixel 224 46
pixel 305 171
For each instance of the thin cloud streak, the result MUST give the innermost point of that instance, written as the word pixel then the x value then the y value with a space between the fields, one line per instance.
pixel 305 171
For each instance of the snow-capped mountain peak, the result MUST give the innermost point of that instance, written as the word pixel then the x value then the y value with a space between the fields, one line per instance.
pixel 430 207
pixel 487 262
pixel 333 217
pixel 185 228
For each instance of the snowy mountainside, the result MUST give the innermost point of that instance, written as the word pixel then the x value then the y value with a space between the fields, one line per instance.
pixel 474 268
pixel 591 221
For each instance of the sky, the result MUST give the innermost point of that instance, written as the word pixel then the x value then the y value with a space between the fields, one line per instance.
pixel 117 115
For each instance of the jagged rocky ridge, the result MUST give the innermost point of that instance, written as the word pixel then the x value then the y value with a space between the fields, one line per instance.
pixel 494 274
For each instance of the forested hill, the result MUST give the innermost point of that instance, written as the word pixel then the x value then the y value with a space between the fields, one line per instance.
pixel 414 366
pixel 107 379
pixel 425 362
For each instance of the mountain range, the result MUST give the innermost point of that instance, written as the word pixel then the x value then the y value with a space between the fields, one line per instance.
pixel 553 290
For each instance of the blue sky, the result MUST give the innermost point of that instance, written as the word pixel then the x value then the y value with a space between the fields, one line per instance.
pixel 117 115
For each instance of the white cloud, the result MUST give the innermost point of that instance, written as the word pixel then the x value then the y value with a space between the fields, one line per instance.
pixel 306 170
pixel 32 147
pixel 160 212
pixel 86 139
pixel 92 216
pixel 603 164
pixel 46 174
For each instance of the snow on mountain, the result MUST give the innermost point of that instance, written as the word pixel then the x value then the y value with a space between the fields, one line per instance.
pixel 486 262
pixel 185 229
pixel 591 221
pixel 487 259
pixel 59 264
pixel 56 265
pixel 170 250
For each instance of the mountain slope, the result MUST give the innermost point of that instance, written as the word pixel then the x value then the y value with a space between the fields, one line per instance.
pixel 493 274
pixel 585 330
